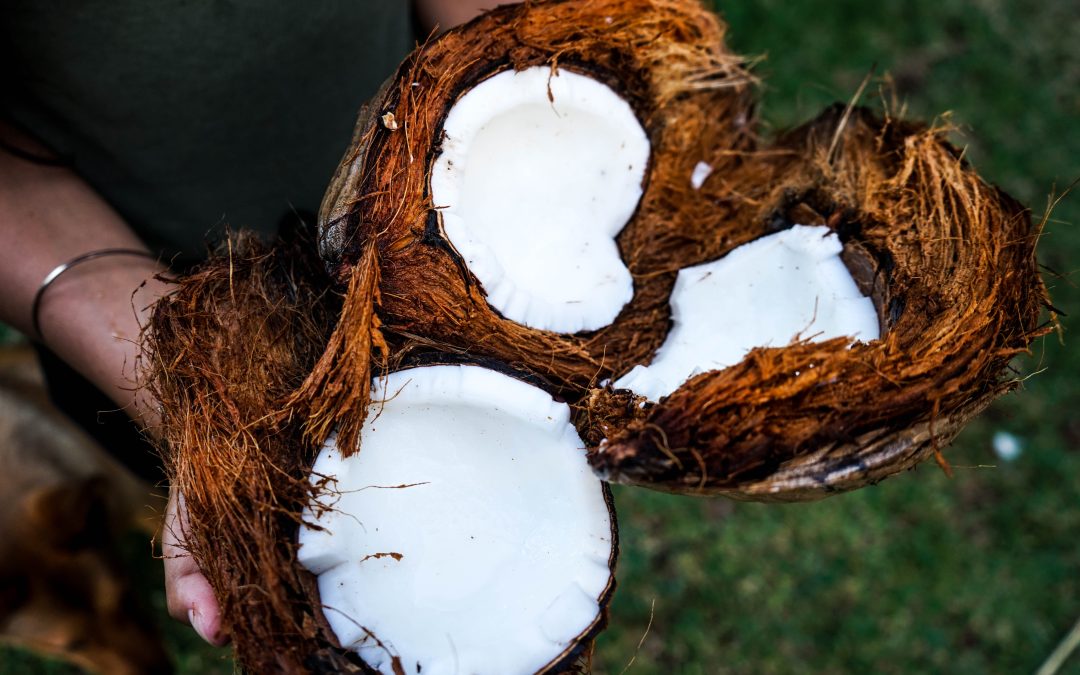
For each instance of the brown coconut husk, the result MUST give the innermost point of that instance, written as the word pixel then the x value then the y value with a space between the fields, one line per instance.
pixel 255 360
pixel 228 354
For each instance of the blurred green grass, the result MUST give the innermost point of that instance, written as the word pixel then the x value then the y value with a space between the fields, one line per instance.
pixel 920 574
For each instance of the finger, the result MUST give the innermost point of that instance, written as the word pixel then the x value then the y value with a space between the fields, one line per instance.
pixel 188 594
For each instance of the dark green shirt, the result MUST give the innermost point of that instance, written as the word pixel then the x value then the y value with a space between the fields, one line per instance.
pixel 186 114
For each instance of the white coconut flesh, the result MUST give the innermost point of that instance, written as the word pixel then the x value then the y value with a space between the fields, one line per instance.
pixel 538 171
pixel 771 292
pixel 468 535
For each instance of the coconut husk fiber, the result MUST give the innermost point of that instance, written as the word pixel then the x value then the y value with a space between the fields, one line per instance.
pixel 263 351
pixel 226 354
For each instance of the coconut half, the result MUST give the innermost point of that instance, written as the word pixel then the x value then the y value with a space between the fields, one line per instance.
pixel 782 288
pixel 949 264
pixel 538 171
pixel 468 535
pixel 537 161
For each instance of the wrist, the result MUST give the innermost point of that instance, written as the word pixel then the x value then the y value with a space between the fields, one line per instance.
pixel 92 315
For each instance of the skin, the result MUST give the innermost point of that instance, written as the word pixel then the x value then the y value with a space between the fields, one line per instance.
pixel 92 315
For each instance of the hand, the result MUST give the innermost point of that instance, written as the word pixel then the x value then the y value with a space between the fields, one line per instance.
pixel 91 317
pixel 187 592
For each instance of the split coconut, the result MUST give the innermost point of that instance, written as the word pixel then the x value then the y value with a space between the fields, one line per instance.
pixel 258 362
pixel 949 264
pixel 577 127
pixel 469 535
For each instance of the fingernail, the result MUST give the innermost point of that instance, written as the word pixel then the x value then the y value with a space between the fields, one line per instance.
pixel 196 624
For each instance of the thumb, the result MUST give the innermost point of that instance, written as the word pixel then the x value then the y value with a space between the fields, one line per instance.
pixel 188 594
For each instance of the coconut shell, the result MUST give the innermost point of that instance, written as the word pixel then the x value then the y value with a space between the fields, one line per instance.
pixel 950 264
pixel 693 98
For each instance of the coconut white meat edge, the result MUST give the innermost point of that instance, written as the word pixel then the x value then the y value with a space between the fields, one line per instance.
pixel 770 292
pixel 538 171
pixel 468 534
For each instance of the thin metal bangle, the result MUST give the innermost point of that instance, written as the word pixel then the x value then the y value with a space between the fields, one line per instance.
pixel 35 309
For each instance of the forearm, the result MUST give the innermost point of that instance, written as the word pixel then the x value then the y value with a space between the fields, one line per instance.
pixel 91 315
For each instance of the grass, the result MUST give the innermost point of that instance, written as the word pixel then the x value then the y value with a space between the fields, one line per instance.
pixel 920 574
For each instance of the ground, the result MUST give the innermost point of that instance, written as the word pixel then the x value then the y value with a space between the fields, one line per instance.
pixel 975 574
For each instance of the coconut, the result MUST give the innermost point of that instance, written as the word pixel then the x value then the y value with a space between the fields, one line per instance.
pixel 438 244
pixel 487 546
pixel 950 266
pixel 587 208
pixel 508 545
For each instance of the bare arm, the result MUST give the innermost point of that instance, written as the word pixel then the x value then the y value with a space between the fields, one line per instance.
pixel 445 14
pixel 91 316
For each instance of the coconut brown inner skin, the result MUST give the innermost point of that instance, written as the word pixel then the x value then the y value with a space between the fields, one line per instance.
pixel 255 361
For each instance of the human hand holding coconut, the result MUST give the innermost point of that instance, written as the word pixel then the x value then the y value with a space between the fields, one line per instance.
pixel 189 595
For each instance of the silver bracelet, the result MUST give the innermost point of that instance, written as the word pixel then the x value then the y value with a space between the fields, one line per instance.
pixel 35 309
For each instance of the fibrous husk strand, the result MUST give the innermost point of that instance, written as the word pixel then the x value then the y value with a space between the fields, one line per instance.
pixel 337 390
